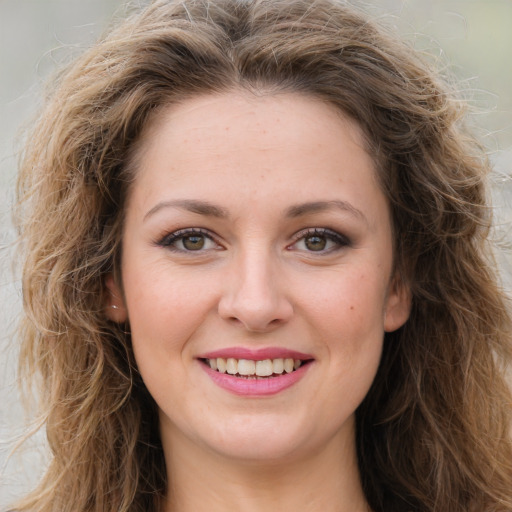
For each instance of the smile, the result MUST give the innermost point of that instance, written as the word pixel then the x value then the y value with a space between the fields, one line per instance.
pixel 255 373
pixel 251 369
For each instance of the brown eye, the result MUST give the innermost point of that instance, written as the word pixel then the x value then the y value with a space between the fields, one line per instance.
pixel 189 240
pixel 315 243
pixel 193 242
pixel 320 240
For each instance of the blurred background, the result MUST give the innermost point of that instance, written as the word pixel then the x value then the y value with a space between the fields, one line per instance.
pixel 469 39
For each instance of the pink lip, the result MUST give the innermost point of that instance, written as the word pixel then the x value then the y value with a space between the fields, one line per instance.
pixel 256 354
pixel 255 387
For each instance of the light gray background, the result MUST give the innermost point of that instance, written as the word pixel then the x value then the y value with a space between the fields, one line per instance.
pixel 471 38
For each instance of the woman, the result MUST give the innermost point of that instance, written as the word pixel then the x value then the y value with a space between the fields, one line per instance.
pixel 257 274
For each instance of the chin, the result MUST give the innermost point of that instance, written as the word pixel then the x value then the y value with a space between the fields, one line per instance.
pixel 267 440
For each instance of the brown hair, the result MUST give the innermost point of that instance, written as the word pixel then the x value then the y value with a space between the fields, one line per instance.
pixel 433 433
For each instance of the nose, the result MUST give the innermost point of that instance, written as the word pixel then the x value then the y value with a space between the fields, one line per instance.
pixel 254 294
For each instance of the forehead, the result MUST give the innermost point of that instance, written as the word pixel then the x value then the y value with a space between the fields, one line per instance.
pixel 297 145
pixel 239 114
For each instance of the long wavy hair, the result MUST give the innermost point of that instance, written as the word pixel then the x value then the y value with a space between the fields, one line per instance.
pixel 433 433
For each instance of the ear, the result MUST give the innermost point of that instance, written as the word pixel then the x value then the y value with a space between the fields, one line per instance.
pixel 115 308
pixel 398 305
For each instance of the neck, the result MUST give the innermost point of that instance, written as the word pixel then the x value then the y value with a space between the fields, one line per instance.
pixel 202 481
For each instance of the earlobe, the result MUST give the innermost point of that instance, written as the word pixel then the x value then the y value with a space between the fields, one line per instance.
pixel 398 305
pixel 115 308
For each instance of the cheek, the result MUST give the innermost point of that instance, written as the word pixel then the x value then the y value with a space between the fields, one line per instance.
pixel 164 312
pixel 347 322
pixel 349 301
pixel 164 318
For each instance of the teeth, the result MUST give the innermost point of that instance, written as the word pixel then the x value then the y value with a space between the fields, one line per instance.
pixel 264 368
pixel 247 367
pixel 278 366
pixel 288 365
pixel 232 366
pixel 221 364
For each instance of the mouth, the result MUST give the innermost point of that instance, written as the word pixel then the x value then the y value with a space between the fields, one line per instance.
pixel 254 369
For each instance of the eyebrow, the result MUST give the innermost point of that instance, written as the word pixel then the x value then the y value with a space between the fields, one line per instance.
pixel 191 205
pixel 322 206
pixel 211 210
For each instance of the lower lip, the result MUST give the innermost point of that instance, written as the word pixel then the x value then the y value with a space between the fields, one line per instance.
pixel 256 387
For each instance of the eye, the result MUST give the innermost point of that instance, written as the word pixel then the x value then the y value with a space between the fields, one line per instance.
pixel 189 240
pixel 320 240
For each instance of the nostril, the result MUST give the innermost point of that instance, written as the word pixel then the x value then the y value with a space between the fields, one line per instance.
pixel 254 300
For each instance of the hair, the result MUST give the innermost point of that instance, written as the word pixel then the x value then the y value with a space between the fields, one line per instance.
pixel 434 431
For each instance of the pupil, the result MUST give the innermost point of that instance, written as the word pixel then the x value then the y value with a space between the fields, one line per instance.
pixel 315 243
pixel 193 242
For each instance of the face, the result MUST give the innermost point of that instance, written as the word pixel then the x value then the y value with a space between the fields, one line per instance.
pixel 257 274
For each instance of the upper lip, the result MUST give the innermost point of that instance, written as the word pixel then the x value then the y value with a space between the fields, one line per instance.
pixel 256 354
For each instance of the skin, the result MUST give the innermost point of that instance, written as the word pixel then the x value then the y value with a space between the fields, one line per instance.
pixel 261 279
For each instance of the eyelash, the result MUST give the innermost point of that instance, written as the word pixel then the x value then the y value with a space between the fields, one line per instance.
pixel 340 240
pixel 168 240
